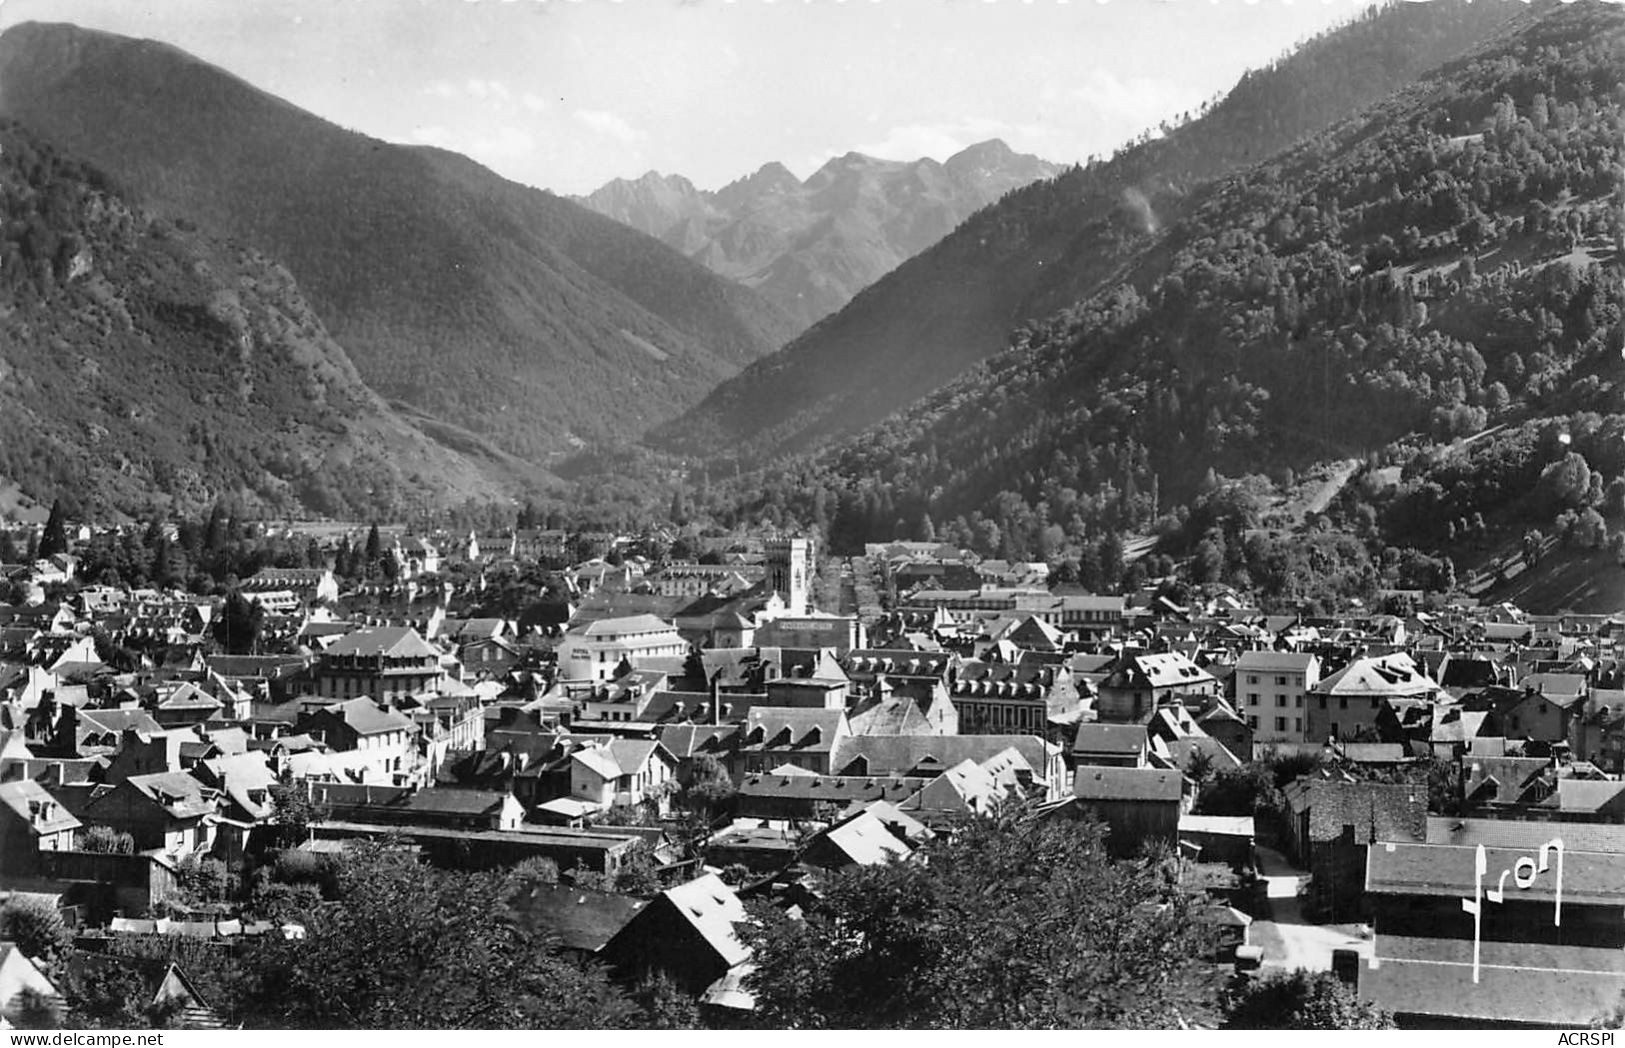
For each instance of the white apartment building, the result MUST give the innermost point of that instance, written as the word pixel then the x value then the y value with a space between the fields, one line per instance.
pixel 1271 690
pixel 592 652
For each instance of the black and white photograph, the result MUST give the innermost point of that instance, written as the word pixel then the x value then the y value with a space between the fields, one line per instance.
pixel 735 515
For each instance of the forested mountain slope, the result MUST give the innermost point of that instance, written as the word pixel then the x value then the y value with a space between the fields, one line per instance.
pixel 1046 246
pixel 495 307
pixel 145 366
pixel 1448 261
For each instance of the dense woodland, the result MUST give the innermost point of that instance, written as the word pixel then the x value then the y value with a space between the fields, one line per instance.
pixel 1447 262
pixel 1045 247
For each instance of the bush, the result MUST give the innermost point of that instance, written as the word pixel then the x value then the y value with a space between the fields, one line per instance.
pixel 36 927
pixel 106 840
pixel 1302 1000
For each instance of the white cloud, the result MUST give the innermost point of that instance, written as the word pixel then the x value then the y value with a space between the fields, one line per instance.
pixel 1117 108
pixel 505 143
pixel 495 90
pixel 534 103
pixel 430 135
pixel 493 147
pixel 441 89
pixel 608 124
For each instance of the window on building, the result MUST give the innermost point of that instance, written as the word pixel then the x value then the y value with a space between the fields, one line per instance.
pixel 1252 698
pixel 1280 700
pixel 1280 680
pixel 1280 724
pixel 1252 722
pixel 1297 724
pixel 1342 703
pixel 1298 701
pixel 1252 679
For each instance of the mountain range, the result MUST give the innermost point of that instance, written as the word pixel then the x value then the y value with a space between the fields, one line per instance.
pixel 1050 244
pixel 476 304
pixel 809 247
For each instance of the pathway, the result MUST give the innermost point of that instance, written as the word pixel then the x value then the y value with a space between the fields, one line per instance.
pixel 1287 939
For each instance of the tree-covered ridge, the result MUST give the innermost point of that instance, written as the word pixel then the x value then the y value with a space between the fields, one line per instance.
pixel 143 364
pixel 1043 247
pixel 1283 321
pixel 489 305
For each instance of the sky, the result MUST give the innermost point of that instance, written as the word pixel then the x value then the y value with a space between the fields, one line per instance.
pixel 568 94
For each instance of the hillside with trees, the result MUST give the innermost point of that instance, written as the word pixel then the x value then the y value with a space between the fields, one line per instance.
pixel 1447 262
pixel 1042 248
pixel 147 366
pixel 484 304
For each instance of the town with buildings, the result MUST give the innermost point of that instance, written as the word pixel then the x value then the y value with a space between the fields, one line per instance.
pixel 1399 753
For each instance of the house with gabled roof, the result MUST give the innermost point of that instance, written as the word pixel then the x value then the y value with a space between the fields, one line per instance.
pixel 384 662
pixel 378 737
pixel 581 920
pixel 169 811
pixel 1000 698
pixel 160 982
pixel 32 821
pixel 873 835
pixel 926 756
pixel 1140 682
pixel 1136 804
pixel 20 977
pixel 971 788
pixel 1352 699
pixel 888 714
pixel 794 793
pixel 688 933
pixel 805 738
pixel 623 772
pixel 911 673
pixel 1548 709
pixel 1111 746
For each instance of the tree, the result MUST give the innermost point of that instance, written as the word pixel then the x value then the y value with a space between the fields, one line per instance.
pixel 374 548
pixel 54 539
pixel 709 788
pixel 408 946
pixel 215 531
pixel 238 629
pixel 293 811
pixel 107 840
pixel 1302 1000
pixel 104 996
pixel 1008 923
pixel 664 1005
pixel 1567 481
pixel 1200 766
pixel 201 880
pixel 37 928
pixel 1534 543
pixel 163 571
